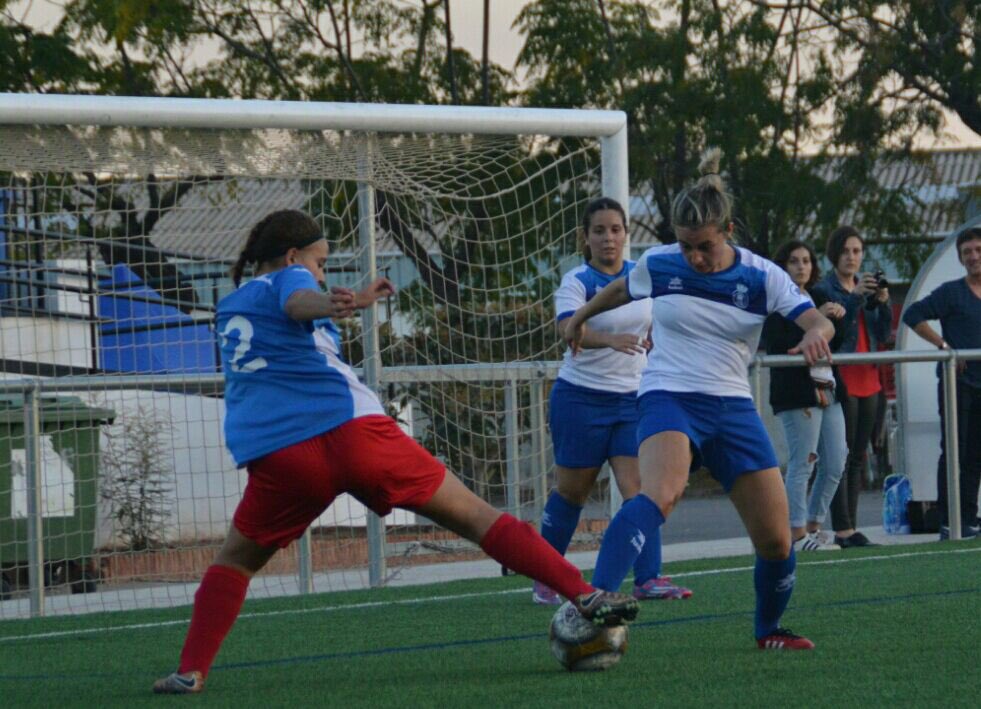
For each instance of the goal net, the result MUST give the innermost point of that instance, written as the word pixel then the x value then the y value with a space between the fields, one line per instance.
pixel 116 489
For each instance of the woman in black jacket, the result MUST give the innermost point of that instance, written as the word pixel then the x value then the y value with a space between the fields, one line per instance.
pixel 807 400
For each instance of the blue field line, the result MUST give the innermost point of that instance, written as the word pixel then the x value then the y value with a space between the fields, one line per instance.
pixel 440 646
pixel 708 617
pixel 452 597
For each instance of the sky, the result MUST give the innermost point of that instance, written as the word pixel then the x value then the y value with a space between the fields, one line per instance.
pixel 466 19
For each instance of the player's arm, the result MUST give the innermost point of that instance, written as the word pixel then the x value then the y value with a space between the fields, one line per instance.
pixel 818 332
pixel 306 304
pixel 594 340
pixel 612 296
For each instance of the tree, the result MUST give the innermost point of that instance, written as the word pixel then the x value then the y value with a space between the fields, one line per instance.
pixel 912 58
pixel 728 74
pixel 137 478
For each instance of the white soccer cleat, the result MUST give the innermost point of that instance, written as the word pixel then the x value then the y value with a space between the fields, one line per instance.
pixel 187 683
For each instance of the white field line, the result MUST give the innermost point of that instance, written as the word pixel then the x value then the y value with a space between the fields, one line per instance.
pixel 454 597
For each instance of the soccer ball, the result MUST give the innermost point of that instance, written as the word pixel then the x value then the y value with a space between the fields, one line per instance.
pixel 581 646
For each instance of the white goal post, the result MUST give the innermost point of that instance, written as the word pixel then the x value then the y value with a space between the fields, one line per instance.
pixel 118 219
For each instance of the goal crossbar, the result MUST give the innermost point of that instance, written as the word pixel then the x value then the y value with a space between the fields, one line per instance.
pixel 162 112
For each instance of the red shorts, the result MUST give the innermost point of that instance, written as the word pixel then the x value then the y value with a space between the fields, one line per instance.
pixel 369 457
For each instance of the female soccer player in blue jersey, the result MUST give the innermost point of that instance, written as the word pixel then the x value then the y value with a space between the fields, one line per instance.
pixel 710 300
pixel 307 430
pixel 593 407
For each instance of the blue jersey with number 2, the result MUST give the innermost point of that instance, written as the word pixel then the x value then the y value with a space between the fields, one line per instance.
pixel 279 389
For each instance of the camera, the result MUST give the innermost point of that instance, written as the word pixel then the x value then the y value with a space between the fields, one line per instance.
pixel 871 299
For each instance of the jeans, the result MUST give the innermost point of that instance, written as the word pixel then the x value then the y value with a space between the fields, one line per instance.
pixel 969 451
pixel 859 421
pixel 814 435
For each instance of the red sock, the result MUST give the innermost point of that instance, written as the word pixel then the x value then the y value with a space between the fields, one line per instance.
pixel 520 548
pixel 216 606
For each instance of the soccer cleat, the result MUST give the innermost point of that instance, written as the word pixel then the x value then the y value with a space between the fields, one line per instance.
pixel 544 596
pixel 660 589
pixel 607 607
pixel 177 683
pixel 814 541
pixel 783 639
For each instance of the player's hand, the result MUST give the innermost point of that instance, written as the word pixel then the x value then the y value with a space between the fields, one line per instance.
pixel 628 344
pixel 574 332
pixel 882 295
pixel 341 302
pixel 376 290
pixel 832 310
pixel 813 346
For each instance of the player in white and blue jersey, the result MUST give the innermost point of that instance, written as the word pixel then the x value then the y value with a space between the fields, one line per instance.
pixel 307 430
pixel 593 410
pixel 710 300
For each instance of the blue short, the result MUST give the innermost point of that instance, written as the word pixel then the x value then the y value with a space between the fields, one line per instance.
pixel 590 426
pixel 727 434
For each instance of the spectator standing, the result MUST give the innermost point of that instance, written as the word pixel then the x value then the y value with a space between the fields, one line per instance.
pixel 866 323
pixel 808 402
pixel 957 305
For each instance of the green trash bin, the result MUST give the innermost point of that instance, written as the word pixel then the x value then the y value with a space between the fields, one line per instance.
pixel 70 476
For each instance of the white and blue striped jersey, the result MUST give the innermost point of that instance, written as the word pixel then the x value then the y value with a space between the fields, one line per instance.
pixel 602 368
pixel 707 325
pixel 279 389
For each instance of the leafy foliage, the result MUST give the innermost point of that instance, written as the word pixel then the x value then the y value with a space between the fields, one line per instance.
pixel 749 78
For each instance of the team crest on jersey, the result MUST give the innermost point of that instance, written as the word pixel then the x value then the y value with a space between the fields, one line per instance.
pixel 676 284
pixel 740 296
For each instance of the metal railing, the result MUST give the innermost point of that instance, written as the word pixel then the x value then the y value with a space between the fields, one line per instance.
pixel 532 374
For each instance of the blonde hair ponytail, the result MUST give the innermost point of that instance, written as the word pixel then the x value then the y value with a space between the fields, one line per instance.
pixel 706 202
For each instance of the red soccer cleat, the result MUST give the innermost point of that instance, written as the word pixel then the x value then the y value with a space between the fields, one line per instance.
pixel 783 639
pixel 660 589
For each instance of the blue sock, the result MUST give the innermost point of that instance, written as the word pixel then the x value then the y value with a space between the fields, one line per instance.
pixel 648 564
pixel 630 529
pixel 774 582
pixel 559 521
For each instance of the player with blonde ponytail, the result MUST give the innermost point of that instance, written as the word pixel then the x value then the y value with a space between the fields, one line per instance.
pixel 710 300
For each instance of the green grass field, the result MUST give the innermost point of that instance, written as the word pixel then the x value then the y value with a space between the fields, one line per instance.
pixel 895 626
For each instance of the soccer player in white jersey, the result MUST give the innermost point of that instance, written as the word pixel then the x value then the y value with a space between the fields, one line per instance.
pixel 307 430
pixel 710 300
pixel 593 407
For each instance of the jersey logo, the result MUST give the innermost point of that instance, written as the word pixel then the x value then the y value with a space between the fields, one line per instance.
pixel 676 284
pixel 740 296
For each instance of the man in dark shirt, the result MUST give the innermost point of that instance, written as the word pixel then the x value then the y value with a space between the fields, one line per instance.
pixel 957 305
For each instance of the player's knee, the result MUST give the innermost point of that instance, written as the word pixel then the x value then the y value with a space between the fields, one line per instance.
pixel 776 548
pixel 666 502
pixel 574 494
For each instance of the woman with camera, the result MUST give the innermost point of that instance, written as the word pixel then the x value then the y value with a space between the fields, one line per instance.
pixel 867 322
